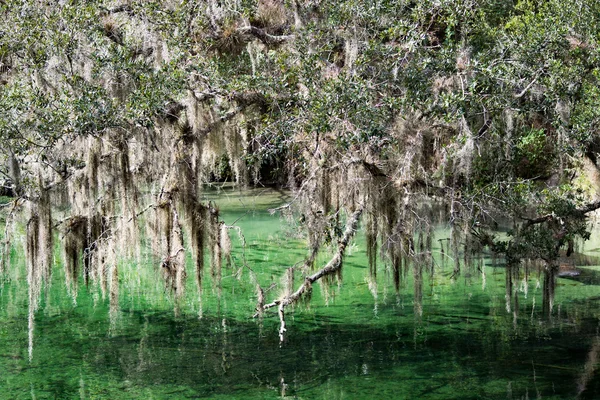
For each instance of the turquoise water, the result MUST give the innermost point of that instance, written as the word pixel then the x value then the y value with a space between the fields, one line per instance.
pixel 446 338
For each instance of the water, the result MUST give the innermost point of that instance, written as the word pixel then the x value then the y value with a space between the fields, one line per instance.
pixel 452 339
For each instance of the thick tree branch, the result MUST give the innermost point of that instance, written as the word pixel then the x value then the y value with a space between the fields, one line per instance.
pixel 118 9
pixel 539 220
pixel 263 36
pixel 524 91
pixel 588 208
pixel 579 212
pixel 244 98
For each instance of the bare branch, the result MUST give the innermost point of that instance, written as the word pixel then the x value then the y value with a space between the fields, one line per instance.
pixel 579 212
pixel 518 96
pixel 265 37
pixel 330 268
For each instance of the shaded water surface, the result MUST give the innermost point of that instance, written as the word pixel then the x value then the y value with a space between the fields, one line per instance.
pixel 440 337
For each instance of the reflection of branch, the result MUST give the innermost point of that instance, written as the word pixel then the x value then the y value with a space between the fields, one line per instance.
pixel 330 268
pixel 286 206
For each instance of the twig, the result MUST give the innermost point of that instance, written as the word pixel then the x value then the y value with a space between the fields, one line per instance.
pixel 518 96
pixel 142 211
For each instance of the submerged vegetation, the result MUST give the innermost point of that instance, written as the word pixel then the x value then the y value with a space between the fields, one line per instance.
pixel 399 115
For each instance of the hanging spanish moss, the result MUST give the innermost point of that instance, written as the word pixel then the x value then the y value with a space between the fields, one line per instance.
pixel 113 288
pixel 197 228
pixel 548 289
pixel 373 288
pixel 226 246
pixel 127 121
pixel 371 243
pixel 105 257
pixel 34 276
pixel 512 290
pixel 128 229
pixel 236 143
pixel 393 239
pixel 326 189
pixel 93 166
pixel 172 246
pixel 75 243
pixel 7 242
pixel 288 286
pixel 418 287
pixel 163 237
pixel 455 238
pixel 216 256
pixel 178 259
pixel 97 233
pixel 39 257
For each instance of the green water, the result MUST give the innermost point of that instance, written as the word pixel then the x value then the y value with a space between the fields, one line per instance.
pixel 454 341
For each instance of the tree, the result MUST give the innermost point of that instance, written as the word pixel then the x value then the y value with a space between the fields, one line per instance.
pixel 366 110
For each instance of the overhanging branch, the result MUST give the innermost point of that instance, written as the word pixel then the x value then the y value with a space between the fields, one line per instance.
pixel 245 98
pixel 265 37
pixel 333 266
pixel 578 212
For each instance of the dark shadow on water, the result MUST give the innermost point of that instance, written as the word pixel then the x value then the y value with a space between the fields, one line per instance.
pixel 433 356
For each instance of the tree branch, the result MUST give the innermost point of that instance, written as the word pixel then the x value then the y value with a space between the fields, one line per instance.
pixel 330 268
pixel 539 220
pixel 519 95
pixel 588 208
pixel 579 212
pixel 263 36
pixel 121 8
pixel 245 98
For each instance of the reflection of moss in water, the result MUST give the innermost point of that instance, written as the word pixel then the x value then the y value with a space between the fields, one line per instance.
pixel 158 355
pixel 464 345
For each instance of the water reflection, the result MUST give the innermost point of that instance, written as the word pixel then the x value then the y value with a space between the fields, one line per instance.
pixel 481 333
pixel 418 290
pixel 459 348
pixel 205 362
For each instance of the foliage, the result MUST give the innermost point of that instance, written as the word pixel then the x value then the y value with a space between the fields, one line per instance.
pixel 121 108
